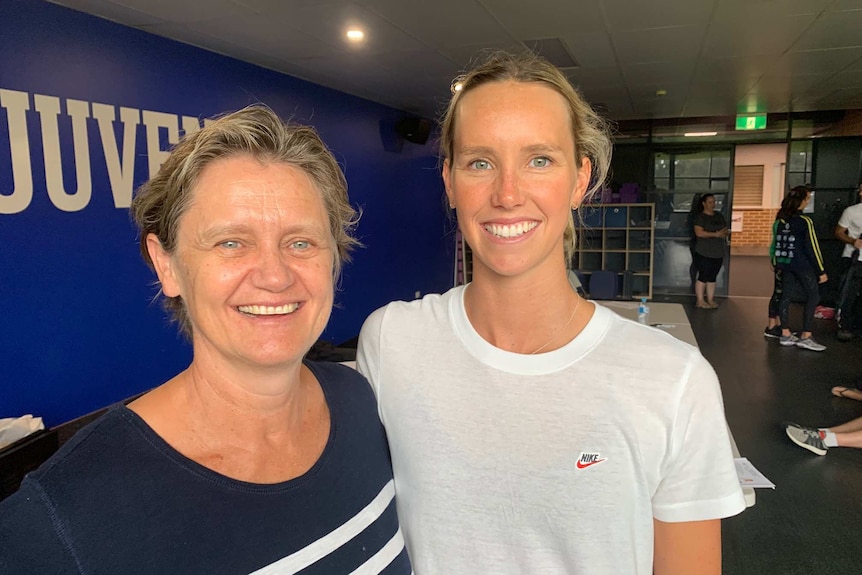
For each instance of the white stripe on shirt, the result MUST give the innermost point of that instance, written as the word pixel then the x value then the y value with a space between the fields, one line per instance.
pixel 315 551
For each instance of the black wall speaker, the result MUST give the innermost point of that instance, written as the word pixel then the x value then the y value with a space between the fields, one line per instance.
pixel 414 130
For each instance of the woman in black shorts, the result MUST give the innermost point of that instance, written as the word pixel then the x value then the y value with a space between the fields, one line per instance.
pixel 710 229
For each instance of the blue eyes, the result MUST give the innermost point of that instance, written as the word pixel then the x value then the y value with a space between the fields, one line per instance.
pixel 540 162
pixel 299 245
pixel 537 162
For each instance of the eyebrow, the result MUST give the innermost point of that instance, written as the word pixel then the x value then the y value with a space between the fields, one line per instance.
pixel 221 231
pixel 531 149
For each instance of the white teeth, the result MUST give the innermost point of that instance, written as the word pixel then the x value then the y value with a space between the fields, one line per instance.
pixel 268 309
pixel 511 231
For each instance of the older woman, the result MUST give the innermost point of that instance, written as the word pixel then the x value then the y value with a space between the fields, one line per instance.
pixel 251 460
pixel 710 229
pixel 533 431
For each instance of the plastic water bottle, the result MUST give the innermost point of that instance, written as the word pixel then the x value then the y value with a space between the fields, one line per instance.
pixel 643 312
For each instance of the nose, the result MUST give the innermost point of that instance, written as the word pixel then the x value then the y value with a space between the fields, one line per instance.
pixel 507 189
pixel 272 269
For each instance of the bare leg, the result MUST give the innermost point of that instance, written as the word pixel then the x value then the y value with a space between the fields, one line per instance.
pixel 710 292
pixel 699 287
pixel 851 427
pixel 849 439
pixel 848 392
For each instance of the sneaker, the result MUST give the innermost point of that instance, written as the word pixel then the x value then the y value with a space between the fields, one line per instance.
pixel 788 339
pixel 772 332
pixel 809 439
pixel 844 335
pixel 809 343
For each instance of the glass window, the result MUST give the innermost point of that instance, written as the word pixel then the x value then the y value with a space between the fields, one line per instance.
pixel 692 165
pixel 662 166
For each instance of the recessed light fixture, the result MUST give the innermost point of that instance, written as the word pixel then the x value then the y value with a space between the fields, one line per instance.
pixel 661 92
pixel 355 35
pixel 699 134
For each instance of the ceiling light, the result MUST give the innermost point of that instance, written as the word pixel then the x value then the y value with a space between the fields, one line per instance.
pixel 355 35
pixel 699 134
pixel 661 92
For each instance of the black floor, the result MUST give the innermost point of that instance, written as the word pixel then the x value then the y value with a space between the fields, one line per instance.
pixel 812 522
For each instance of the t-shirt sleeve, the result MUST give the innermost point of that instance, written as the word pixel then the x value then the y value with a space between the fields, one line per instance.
pixel 845 220
pixel 699 480
pixel 30 538
pixel 368 351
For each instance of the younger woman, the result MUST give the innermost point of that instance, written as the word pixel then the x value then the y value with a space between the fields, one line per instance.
pixel 531 430
pixel 797 255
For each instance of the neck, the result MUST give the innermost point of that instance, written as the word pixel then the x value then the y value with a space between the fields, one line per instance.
pixel 525 316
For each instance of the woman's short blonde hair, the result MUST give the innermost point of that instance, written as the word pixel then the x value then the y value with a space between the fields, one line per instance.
pixel 590 131
pixel 159 204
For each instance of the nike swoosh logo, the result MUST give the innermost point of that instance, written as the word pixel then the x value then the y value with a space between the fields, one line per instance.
pixel 582 465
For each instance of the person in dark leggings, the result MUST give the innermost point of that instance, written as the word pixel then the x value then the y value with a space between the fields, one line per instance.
pixel 797 256
pixel 773 325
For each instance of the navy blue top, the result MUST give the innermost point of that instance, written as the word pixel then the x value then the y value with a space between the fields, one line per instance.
pixel 118 499
pixel 795 246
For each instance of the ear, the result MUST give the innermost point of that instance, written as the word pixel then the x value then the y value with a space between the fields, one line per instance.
pixel 447 182
pixel 582 182
pixel 164 264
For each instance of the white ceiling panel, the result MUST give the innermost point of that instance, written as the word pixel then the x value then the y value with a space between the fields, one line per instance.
pixel 546 18
pixel 658 45
pixel 591 49
pixel 114 12
pixel 625 15
pixel 707 54
pixel 734 39
pixel 833 30
pixel 185 11
pixel 431 22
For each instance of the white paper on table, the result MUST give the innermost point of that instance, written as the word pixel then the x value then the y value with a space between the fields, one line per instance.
pixel 749 476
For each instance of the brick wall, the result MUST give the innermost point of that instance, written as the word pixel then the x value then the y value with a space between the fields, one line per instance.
pixel 756 228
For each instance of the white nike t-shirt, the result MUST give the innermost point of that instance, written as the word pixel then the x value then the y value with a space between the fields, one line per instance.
pixel 552 463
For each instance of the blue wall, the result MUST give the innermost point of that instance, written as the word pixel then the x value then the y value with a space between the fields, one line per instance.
pixel 78 330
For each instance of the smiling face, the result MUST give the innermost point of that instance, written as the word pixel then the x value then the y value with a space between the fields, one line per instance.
pixel 513 177
pixel 253 263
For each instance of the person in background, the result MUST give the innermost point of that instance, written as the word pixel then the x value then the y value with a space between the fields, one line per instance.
pixel 849 232
pixel 797 255
pixel 773 323
pixel 526 435
pixel 711 231
pixel 251 460
pixel 819 439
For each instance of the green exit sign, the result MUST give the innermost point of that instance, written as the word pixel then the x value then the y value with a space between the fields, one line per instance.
pixel 751 122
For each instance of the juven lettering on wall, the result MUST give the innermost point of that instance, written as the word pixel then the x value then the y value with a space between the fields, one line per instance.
pixel 120 170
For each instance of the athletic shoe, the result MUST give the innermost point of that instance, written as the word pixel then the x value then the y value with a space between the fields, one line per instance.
pixel 788 340
pixel 844 335
pixel 810 440
pixel 809 343
pixel 772 332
